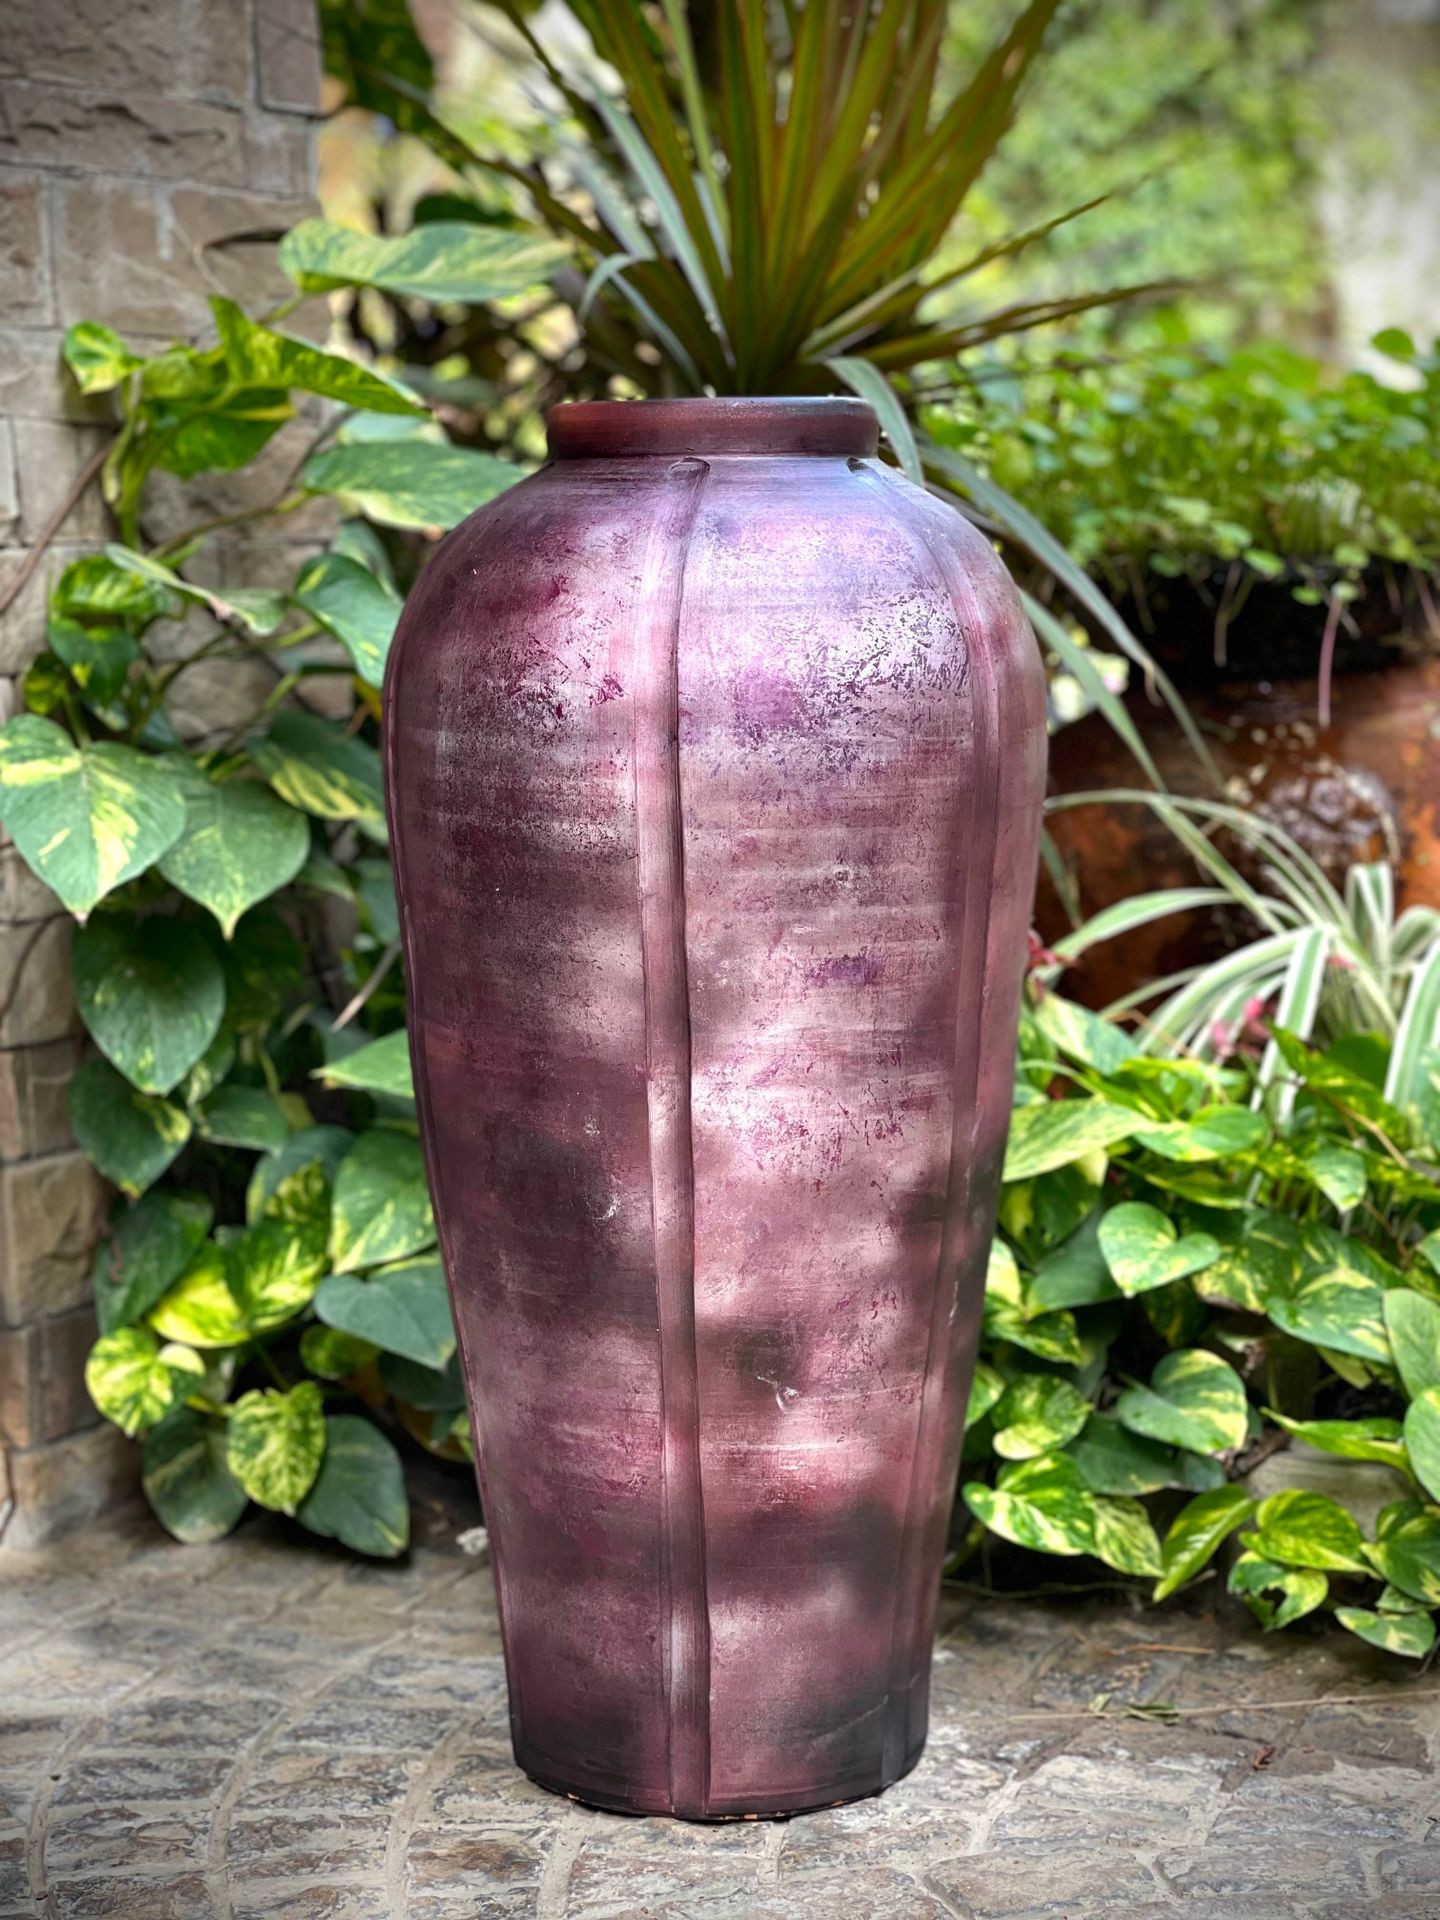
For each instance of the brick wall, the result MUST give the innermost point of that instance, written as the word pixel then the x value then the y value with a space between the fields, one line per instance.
pixel 137 139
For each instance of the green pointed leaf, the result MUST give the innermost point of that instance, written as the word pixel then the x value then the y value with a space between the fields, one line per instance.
pixel 381 1067
pixel 186 1479
pixel 1214 1133
pixel 273 1270
pixel 1422 1439
pixel 1037 1414
pixel 149 1247
pixel 360 610
pixel 1412 1635
pixel 1042 1504
pixel 1301 1590
pixel 130 1136
pixel 1259 1258
pixel 1371 1438
pixel 96 587
pixel 256 608
pixel 1309 1530
pixel 1194 1400
pixel 86 819
pixel 257 356
pixel 200 1309
pixel 986 1387
pixel 1341 1309
pixel 1081 1035
pixel 413 484
pixel 382 1206
pixel 1049 1336
pixel 1339 1172
pixel 241 844
pixel 1413 1324
pixel 275 1444
pixel 272 1192
pixel 442 260
pixel 239 1116
pixel 1125 1538
pixel 134 1381
pixel 150 992
pixel 1053 1133
pixel 1114 1461
pixel 99 656
pixel 1143 1250
pixel 1075 1275
pixel 403 1309
pixel 97 356
pixel 318 768
pixel 1407 1551
pixel 1196 1531
pixel 359 1494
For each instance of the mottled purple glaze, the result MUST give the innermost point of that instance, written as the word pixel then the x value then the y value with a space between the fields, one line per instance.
pixel 715 757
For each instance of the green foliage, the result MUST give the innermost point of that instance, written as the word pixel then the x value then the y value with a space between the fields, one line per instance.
pixel 1240 1212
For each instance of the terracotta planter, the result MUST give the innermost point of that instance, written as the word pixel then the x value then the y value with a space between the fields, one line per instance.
pixel 715 757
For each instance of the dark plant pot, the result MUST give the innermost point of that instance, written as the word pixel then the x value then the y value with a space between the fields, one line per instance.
pixel 715 755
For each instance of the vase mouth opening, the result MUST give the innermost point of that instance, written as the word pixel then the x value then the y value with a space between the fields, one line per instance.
pixel 618 429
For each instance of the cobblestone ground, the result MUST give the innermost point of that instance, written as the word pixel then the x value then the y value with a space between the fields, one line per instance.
pixel 264 1728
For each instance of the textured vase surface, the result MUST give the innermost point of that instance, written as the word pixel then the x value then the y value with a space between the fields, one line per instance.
pixel 715 754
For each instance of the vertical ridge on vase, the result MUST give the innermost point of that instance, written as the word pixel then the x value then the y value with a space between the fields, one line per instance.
pixel 976 891
pixel 660 877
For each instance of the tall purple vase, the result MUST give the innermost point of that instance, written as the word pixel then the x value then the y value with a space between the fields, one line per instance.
pixel 715 754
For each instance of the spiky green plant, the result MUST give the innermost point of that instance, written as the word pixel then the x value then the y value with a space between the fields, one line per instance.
pixel 764 199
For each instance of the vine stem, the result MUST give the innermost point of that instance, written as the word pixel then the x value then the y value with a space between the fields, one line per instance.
pixel 15 584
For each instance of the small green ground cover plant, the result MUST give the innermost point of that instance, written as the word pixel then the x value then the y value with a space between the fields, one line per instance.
pixel 269 1295
pixel 1219 1241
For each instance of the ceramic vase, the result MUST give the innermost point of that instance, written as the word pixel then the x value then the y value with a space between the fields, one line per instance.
pixel 715 754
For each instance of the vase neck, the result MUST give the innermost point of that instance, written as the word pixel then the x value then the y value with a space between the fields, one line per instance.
pixel 619 429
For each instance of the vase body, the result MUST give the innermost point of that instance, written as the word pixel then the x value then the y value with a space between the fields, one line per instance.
pixel 715 755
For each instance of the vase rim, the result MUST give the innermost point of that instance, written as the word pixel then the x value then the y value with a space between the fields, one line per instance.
pixel 599 429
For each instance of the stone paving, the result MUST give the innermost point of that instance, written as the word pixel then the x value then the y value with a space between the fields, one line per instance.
pixel 265 1728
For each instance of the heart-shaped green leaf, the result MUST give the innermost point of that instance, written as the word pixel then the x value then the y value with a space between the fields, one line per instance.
pixel 1194 1400
pixel 360 610
pixel 411 483
pixel 149 1246
pixel 1339 1172
pixel 403 1309
pixel 1341 1309
pixel 276 1442
pixel 186 1479
pixel 1143 1250
pixel 1407 1551
pixel 986 1387
pixel 273 1269
pixel 1412 1635
pixel 1114 1461
pixel 1125 1538
pixel 1422 1439
pixel 134 1381
pixel 439 260
pixel 1052 1133
pixel 151 993
pixel 381 1209
pixel 130 1136
pixel 359 1493
pixel 1196 1531
pixel 1036 1414
pixel 1413 1324
pixel 1309 1530
pixel 86 819
pixel 1372 1438
pixel 1214 1133
pixel 271 1192
pixel 200 1309
pixel 1301 1590
pixel 317 767
pixel 381 1067
pixel 1042 1504
pixel 238 1116
pixel 241 844
pixel 1075 1275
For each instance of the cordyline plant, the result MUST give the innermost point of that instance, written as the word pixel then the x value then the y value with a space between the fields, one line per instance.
pixel 759 201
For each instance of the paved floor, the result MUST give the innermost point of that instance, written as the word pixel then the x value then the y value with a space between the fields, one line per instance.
pixel 265 1728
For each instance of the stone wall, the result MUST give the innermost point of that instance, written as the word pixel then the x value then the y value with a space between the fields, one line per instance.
pixel 138 140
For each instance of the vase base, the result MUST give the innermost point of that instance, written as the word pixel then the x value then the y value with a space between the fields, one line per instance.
pixel 780 1806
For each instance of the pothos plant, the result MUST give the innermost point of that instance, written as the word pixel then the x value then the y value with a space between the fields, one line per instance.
pixel 1210 1251
pixel 268 1284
